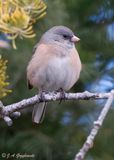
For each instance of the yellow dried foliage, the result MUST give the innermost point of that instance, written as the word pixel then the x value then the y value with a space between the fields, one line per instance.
pixel 3 77
pixel 34 8
pixel 17 17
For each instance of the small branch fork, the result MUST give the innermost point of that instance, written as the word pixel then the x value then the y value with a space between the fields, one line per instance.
pixel 9 111
pixel 97 125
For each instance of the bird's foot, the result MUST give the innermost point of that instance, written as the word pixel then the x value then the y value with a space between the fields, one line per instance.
pixel 42 96
pixel 62 95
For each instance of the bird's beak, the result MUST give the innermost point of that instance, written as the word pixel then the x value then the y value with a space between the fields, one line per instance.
pixel 75 39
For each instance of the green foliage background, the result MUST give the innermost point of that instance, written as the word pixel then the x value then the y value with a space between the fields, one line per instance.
pixel 66 125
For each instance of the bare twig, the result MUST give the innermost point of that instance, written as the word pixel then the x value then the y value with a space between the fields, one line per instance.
pixel 97 124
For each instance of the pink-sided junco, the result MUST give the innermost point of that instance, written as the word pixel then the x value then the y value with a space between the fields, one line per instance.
pixel 55 64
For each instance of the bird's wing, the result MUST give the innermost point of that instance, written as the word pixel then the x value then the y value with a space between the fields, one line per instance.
pixel 33 51
pixel 42 54
pixel 29 85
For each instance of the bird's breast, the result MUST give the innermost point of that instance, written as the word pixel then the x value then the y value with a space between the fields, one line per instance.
pixel 61 73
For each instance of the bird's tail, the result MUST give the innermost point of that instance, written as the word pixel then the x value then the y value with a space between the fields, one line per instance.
pixel 38 112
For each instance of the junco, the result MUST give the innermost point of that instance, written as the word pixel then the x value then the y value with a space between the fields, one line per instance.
pixel 55 64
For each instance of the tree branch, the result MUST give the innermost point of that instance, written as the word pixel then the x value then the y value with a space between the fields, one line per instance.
pixel 97 124
pixel 6 111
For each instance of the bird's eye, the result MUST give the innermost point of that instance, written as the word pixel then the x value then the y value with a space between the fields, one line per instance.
pixel 65 36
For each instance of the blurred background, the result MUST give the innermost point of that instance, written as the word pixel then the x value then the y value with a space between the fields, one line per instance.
pixel 66 125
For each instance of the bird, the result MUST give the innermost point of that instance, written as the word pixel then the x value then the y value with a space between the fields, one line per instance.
pixel 55 64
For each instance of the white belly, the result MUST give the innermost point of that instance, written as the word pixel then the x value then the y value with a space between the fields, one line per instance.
pixel 58 74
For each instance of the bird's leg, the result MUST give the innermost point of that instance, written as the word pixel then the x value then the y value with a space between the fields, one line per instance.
pixel 62 95
pixel 41 96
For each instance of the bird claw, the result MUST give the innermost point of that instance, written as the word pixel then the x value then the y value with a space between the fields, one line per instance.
pixel 62 95
pixel 42 96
